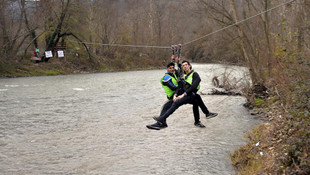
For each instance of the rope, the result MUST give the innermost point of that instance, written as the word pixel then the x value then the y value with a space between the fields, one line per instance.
pixel 168 47
pixel 123 45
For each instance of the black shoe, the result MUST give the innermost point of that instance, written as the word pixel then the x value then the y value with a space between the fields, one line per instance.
pixel 157 126
pixel 211 115
pixel 199 124
pixel 160 122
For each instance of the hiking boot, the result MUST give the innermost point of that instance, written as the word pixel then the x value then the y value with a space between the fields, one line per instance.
pixel 156 126
pixel 160 122
pixel 199 124
pixel 211 115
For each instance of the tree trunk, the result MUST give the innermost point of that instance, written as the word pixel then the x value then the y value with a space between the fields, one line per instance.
pixel 9 39
pixel 267 35
pixel 52 43
pixel 31 30
pixel 245 53
pixel 151 21
pixel 4 35
pixel 303 25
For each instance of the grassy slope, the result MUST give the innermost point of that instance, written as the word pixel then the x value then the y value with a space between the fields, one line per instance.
pixel 57 66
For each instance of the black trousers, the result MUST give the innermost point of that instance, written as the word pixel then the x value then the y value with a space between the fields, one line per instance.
pixel 192 99
pixel 166 106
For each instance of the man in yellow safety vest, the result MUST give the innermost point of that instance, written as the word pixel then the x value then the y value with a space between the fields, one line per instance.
pixel 190 87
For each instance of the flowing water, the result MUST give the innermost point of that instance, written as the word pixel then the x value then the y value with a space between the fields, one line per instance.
pixel 95 124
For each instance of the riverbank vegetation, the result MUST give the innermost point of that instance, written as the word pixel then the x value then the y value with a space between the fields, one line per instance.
pixel 279 65
pixel 72 65
pixel 273 45
pixel 281 145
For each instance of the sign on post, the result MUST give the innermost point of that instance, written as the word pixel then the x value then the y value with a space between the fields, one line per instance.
pixel 48 54
pixel 60 53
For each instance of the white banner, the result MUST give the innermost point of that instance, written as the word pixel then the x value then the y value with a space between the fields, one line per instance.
pixel 48 54
pixel 60 53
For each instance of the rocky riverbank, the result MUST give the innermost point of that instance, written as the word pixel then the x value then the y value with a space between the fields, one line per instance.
pixel 281 144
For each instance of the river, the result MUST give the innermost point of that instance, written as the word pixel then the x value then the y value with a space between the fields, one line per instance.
pixel 95 124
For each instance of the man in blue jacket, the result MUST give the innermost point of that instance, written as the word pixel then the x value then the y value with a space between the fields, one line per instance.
pixel 170 85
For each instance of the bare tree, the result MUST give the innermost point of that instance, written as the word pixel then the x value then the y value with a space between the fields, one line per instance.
pixel 31 29
pixel 11 27
pixel 303 25
pixel 243 43
pixel 58 32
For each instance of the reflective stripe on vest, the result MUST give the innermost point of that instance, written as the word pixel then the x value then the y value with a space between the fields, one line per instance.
pixel 189 79
pixel 168 91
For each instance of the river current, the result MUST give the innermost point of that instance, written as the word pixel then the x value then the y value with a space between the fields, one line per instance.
pixel 95 124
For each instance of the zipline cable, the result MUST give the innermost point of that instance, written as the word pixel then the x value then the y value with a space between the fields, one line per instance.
pixel 123 45
pixel 168 47
pixel 224 28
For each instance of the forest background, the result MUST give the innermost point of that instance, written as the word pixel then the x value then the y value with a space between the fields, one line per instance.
pixel 273 45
